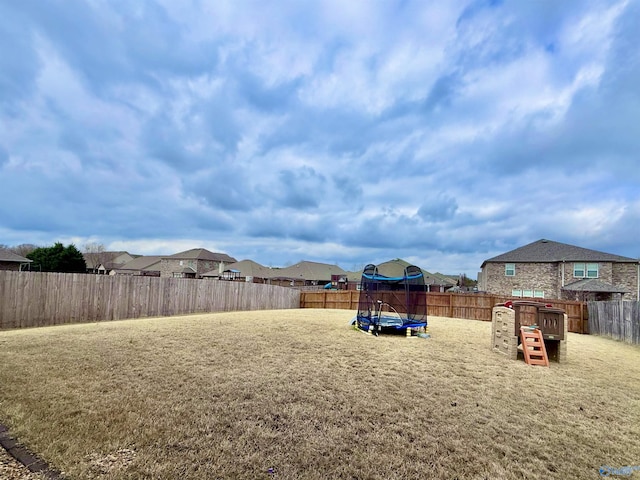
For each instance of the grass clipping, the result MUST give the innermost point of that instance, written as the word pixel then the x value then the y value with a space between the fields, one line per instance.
pixel 300 394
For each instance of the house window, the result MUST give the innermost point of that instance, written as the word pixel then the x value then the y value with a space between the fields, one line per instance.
pixel 585 270
pixel 527 293
pixel 510 269
pixel 516 293
pixel 538 293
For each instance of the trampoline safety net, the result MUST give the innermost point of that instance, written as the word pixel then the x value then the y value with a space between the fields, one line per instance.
pixel 392 302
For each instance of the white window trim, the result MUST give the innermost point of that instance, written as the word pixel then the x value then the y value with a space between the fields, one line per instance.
pixel 585 269
pixel 507 269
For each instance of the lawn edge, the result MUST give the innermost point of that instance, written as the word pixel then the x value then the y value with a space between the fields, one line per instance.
pixel 22 454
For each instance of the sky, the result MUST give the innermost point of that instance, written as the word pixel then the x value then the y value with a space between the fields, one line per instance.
pixel 344 132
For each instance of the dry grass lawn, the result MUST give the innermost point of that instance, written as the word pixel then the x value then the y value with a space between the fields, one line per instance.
pixel 300 394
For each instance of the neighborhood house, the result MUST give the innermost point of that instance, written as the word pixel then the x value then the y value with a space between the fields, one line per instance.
pixel 553 270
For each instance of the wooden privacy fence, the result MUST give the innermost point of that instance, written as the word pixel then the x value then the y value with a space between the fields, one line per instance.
pixel 454 305
pixel 616 319
pixel 33 299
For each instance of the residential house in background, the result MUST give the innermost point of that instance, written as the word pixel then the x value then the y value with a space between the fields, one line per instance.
pixel 146 266
pixel 242 271
pixel 553 270
pixel 12 261
pixel 434 282
pixel 306 274
pixel 193 263
pixel 105 262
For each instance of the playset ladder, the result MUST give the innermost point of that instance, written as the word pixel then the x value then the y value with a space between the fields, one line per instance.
pixel 533 347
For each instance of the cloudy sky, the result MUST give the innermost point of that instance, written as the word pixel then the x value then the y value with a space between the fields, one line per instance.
pixel 345 132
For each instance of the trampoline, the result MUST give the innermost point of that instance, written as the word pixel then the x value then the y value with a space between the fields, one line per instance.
pixel 392 304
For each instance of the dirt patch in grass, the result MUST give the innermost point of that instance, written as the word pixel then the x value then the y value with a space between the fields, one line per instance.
pixel 300 394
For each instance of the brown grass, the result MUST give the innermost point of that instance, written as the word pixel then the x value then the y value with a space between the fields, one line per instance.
pixel 299 394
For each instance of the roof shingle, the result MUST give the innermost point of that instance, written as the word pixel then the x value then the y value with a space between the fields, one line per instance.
pixel 9 256
pixel 202 254
pixel 545 251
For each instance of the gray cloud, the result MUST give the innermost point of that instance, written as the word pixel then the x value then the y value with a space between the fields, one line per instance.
pixel 445 133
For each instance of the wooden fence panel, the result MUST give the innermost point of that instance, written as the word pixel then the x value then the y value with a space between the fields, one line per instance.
pixel 616 319
pixel 32 299
pixel 453 305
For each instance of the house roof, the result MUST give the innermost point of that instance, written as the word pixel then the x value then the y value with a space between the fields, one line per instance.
pixel 9 256
pixel 546 251
pixel 395 268
pixel 90 257
pixel 202 254
pixel 446 279
pixel 306 270
pixel 593 285
pixel 186 270
pixel 145 263
pixel 247 268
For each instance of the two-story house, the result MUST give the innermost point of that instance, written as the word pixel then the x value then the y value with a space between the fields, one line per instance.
pixel 193 263
pixel 547 269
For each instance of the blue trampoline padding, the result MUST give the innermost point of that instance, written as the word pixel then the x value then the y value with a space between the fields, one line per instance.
pixel 390 279
pixel 391 322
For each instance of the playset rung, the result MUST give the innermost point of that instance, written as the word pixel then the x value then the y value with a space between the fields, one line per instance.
pixel 533 347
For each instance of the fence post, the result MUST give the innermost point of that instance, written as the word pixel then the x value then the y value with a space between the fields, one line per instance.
pixel 450 305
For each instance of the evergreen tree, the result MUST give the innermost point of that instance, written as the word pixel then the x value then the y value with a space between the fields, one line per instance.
pixel 58 258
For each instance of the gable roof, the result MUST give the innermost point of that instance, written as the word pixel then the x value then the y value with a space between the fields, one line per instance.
pixel 9 256
pixel 109 260
pixel 144 263
pixel 202 254
pixel 446 279
pixel 247 268
pixel 306 270
pixel 395 268
pixel 547 251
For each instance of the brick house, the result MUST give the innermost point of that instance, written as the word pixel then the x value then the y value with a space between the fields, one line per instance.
pixel 547 269
pixel 12 261
pixel 306 274
pixel 193 263
pixel 242 271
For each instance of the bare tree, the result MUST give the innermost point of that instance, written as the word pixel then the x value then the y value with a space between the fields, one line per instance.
pixel 95 255
pixel 24 249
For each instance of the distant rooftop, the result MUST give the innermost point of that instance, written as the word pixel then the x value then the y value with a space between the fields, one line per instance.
pixel 9 256
pixel 202 254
